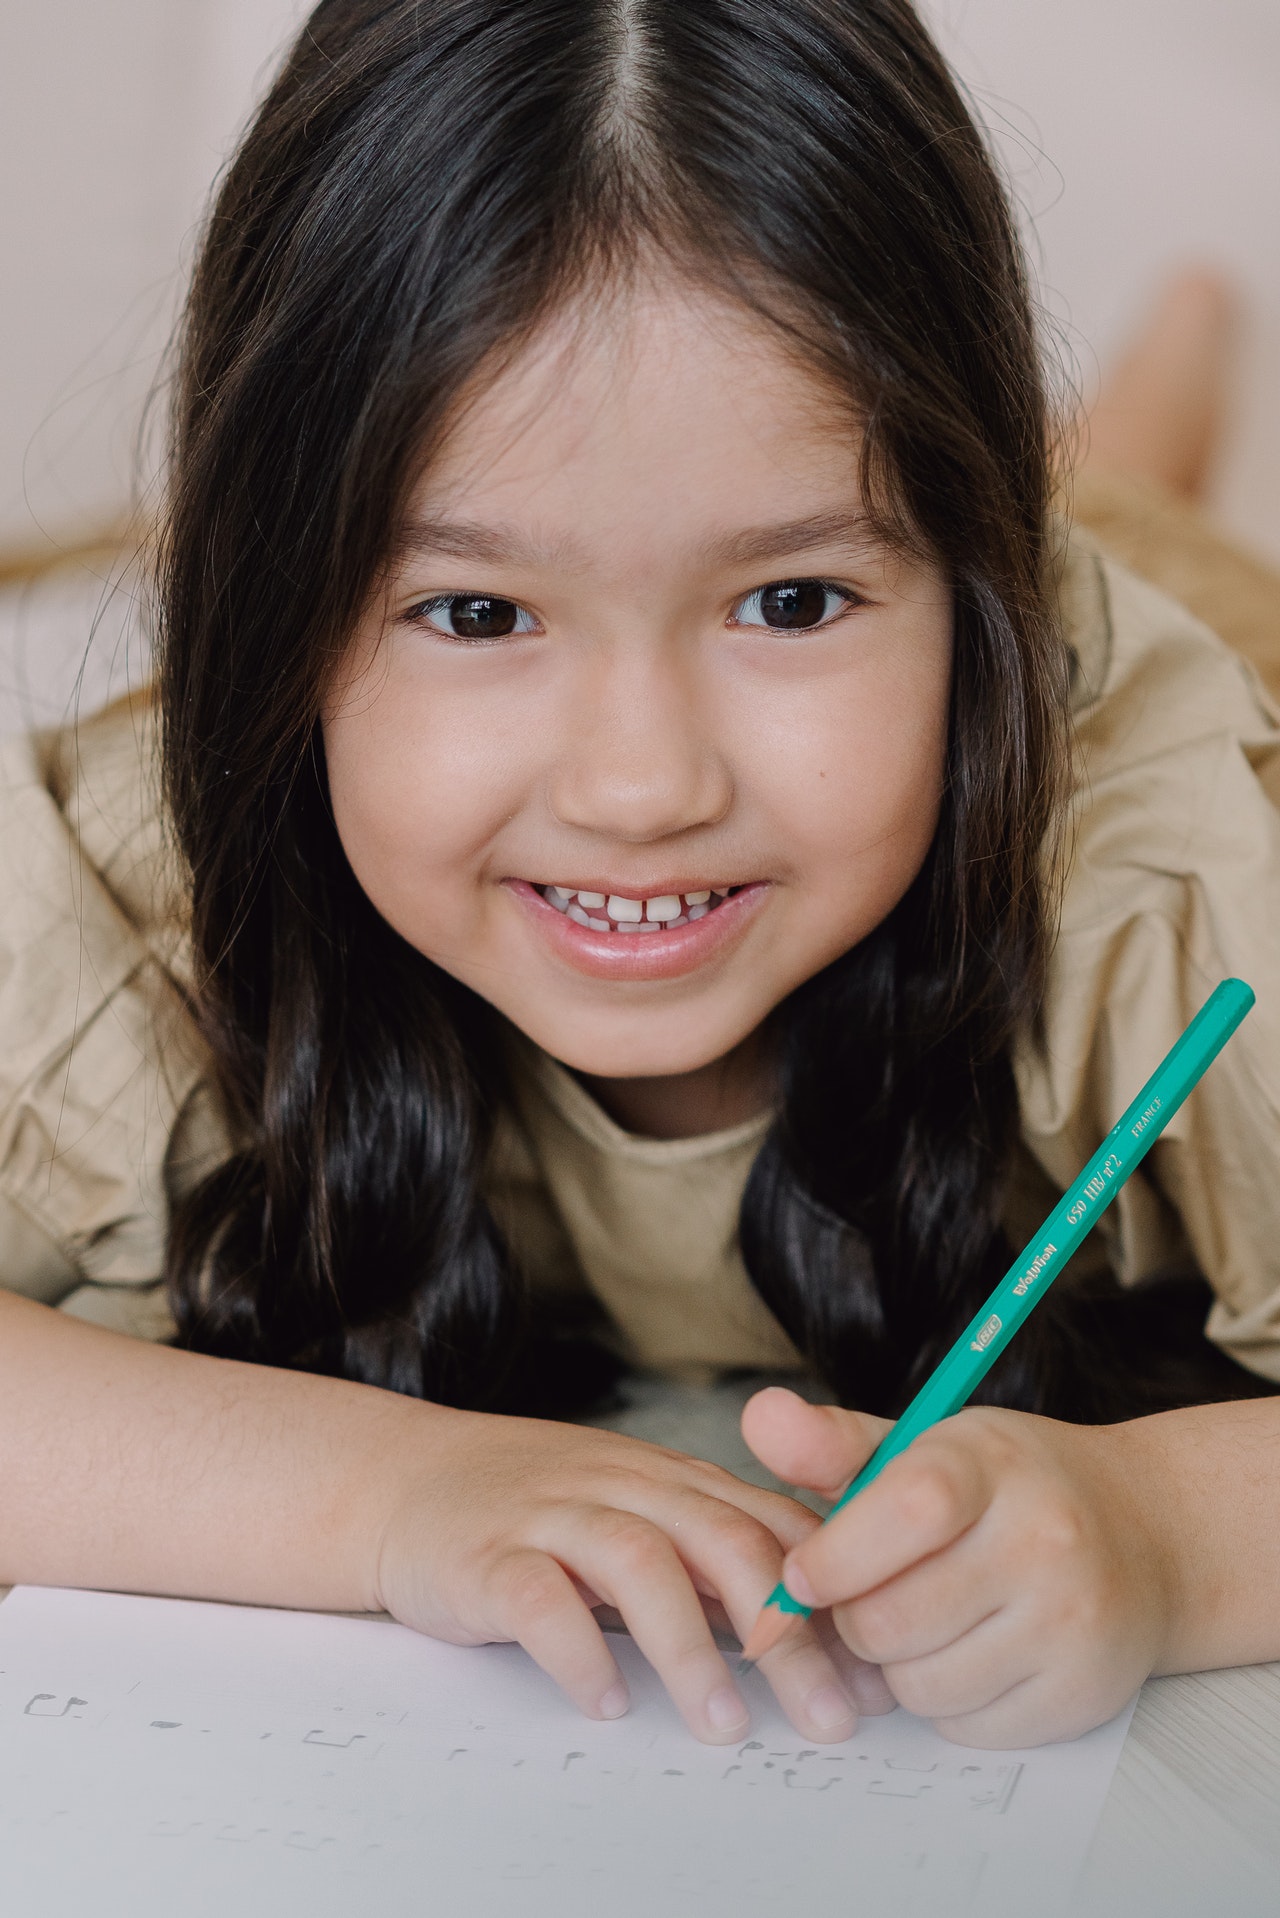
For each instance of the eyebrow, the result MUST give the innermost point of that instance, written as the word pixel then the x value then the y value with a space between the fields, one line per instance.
pixel 786 537
pixel 500 545
pixel 462 539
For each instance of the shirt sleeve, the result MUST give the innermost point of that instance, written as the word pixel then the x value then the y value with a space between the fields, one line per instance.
pixel 1173 884
pixel 101 1067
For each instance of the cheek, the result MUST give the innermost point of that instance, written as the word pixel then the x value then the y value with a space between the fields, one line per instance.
pixel 864 789
pixel 418 791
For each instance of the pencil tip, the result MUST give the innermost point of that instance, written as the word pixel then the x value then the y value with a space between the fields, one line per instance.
pixel 769 1629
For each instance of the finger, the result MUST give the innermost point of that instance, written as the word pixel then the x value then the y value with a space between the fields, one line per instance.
pixel 789 1521
pixel 921 1502
pixel 809 1687
pixel 1036 1710
pixel 864 1682
pixel 818 1446
pixel 968 1676
pixel 539 1606
pixel 636 1567
pixel 868 1687
pixel 718 1619
pixel 1010 1722
pixel 927 1607
pixel 741 1562
pixel 665 1498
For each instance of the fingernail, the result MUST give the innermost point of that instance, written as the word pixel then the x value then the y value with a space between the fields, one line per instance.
pixel 798 1585
pixel 725 1710
pixel 828 1707
pixel 615 1701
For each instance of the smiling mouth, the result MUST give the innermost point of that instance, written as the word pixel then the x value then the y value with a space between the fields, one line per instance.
pixel 614 912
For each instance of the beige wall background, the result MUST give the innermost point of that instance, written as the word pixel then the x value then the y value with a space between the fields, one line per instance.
pixel 1137 134
pixel 115 116
pixel 1140 134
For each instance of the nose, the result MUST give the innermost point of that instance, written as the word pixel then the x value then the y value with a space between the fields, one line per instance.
pixel 641 761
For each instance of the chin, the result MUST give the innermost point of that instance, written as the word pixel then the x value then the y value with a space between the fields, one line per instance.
pixel 633 1056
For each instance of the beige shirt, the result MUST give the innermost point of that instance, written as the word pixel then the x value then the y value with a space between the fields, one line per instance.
pixel 106 1109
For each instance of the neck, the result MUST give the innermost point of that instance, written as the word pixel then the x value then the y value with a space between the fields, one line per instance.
pixel 725 1093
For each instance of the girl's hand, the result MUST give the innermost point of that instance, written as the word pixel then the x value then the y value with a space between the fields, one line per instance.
pixel 512 1529
pixel 1003 1572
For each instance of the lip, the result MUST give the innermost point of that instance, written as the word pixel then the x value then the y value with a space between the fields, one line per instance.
pixel 662 887
pixel 652 955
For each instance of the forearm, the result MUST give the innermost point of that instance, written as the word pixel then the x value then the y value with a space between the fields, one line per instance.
pixel 1207 1486
pixel 132 1466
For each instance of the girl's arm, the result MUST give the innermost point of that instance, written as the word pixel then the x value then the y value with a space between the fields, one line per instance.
pixel 1209 1480
pixel 132 1466
pixel 1018 1578
pixel 137 1467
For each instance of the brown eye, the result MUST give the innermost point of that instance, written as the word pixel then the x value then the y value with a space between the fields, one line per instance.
pixel 476 616
pixel 797 602
pixel 483 618
pixel 793 605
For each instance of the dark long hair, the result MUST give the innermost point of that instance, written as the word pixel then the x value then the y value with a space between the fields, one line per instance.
pixel 424 183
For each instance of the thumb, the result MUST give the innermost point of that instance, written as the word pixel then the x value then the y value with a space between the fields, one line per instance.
pixel 818 1446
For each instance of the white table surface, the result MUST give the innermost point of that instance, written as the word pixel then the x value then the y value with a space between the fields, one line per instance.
pixel 1192 1824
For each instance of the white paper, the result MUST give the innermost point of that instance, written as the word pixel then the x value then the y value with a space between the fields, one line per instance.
pixel 165 1757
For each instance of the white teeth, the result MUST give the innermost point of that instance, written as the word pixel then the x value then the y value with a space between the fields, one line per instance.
pixel 667 907
pixel 663 913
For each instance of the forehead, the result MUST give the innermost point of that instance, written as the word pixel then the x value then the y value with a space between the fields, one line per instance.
pixel 661 403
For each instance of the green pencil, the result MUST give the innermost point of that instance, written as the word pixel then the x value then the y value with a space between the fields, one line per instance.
pixel 979 1346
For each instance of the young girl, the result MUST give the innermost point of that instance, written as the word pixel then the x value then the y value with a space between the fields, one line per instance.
pixel 599 877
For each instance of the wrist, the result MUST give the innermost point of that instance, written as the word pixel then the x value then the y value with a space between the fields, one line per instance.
pixel 1151 1530
pixel 1210 1479
pixel 410 1466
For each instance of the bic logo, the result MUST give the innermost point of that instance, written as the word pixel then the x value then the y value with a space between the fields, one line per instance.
pixel 985 1335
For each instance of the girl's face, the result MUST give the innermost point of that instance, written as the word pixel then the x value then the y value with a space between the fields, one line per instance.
pixel 647 728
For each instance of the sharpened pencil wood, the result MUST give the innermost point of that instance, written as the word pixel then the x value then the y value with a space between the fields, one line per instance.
pixel 769 1630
